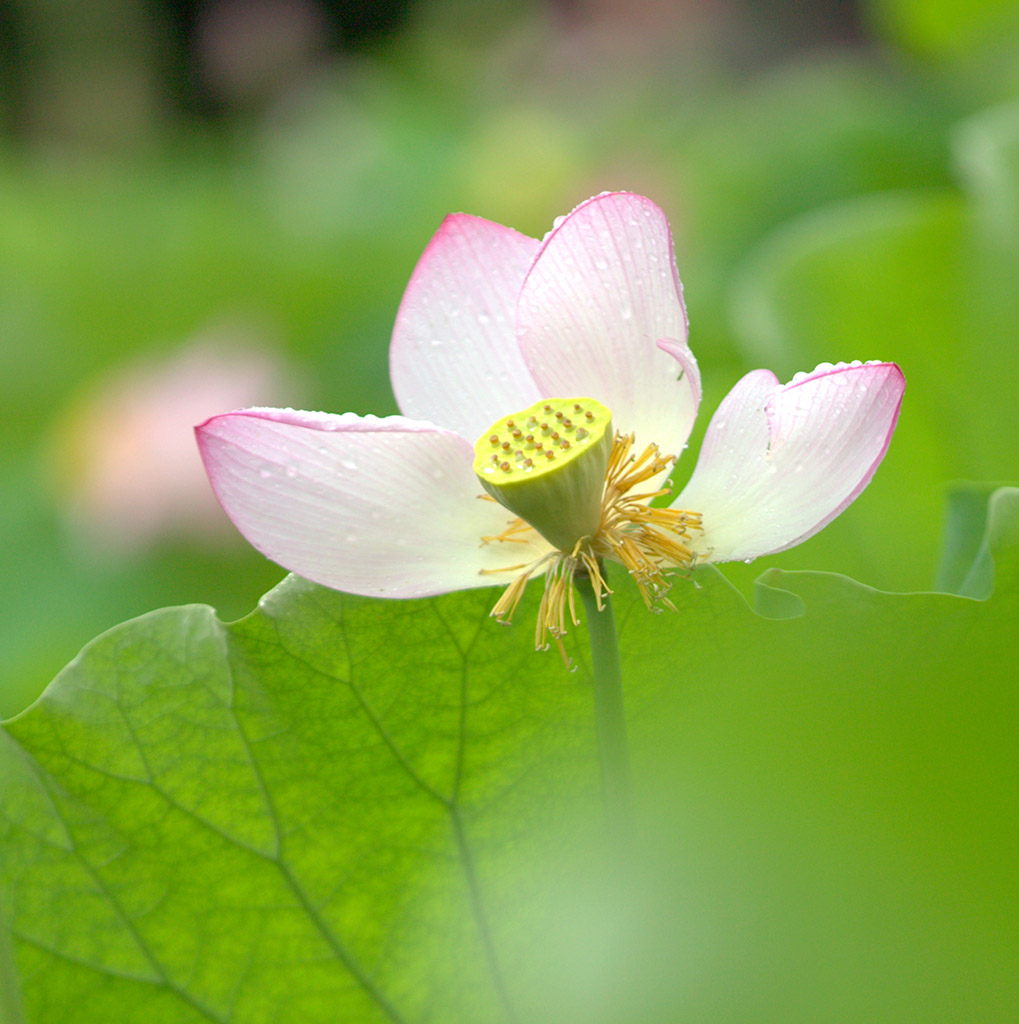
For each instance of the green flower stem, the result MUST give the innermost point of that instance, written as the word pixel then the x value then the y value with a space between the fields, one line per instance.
pixel 610 715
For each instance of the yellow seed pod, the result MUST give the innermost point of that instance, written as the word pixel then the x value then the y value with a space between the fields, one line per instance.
pixel 547 465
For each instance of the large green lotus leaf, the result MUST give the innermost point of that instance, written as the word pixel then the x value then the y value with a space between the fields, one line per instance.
pixel 343 809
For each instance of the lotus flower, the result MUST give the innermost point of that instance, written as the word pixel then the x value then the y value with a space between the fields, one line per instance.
pixel 546 388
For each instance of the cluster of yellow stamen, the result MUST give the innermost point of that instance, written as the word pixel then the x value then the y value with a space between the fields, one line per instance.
pixel 648 541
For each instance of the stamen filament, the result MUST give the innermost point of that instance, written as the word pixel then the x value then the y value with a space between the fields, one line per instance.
pixel 647 541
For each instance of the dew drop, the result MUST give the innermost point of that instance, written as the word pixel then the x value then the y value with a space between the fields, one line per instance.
pixel 348 463
pixel 264 474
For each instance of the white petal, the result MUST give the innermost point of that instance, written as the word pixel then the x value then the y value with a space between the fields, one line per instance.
pixel 454 358
pixel 382 507
pixel 603 291
pixel 779 462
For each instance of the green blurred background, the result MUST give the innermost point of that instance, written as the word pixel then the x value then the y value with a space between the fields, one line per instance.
pixel 217 204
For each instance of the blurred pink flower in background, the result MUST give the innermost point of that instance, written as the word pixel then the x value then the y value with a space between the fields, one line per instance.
pixel 124 466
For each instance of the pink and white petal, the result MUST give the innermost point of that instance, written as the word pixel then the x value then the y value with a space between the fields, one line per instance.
pixel 454 358
pixel 779 462
pixel 382 507
pixel 601 315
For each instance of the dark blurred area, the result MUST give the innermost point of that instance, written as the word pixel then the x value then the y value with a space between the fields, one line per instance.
pixel 92 71
pixel 99 73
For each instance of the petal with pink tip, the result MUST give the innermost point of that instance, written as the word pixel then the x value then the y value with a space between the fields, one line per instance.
pixel 381 507
pixel 601 295
pixel 779 462
pixel 454 359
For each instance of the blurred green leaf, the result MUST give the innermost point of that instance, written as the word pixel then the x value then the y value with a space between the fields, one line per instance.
pixel 943 28
pixel 797 136
pixel 986 151
pixel 998 519
pixel 345 809
pixel 837 799
pixel 964 536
